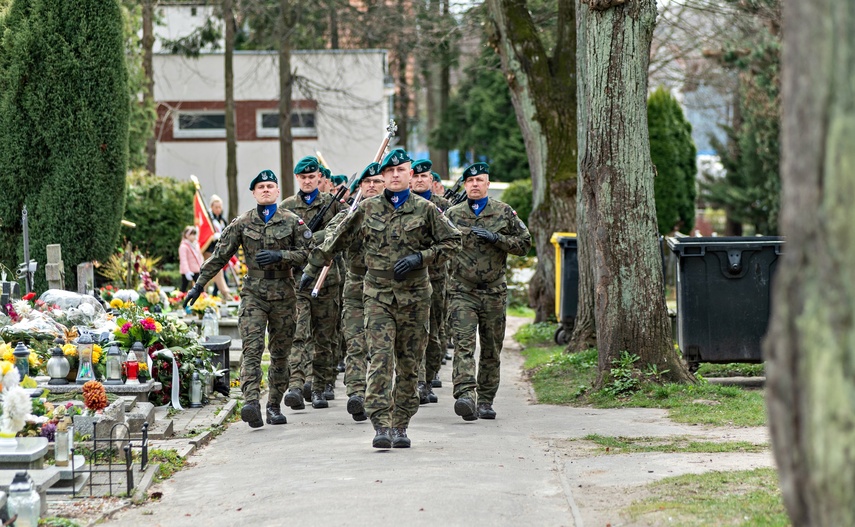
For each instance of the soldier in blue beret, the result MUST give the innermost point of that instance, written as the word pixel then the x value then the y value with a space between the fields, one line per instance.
pixel 274 240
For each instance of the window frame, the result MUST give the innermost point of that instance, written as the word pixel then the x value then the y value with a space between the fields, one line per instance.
pixel 296 132
pixel 211 133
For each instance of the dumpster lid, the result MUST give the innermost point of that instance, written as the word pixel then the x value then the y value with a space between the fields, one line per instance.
pixel 217 342
pixel 567 241
pixel 724 243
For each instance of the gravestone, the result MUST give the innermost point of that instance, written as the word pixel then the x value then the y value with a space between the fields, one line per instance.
pixel 55 269
pixel 86 279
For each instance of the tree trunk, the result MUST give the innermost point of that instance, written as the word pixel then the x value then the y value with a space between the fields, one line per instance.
pixel 286 151
pixel 809 347
pixel 231 138
pixel 584 334
pixel 617 174
pixel 333 12
pixel 148 94
pixel 543 91
pixel 438 79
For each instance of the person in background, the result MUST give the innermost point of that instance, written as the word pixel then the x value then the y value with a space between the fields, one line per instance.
pixel 189 257
pixel 217 215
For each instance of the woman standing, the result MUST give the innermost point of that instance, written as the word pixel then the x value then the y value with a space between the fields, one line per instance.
pixel 220 285
pixel 189 257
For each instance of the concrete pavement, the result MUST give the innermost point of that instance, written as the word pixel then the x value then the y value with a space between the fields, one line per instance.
pixel 522 468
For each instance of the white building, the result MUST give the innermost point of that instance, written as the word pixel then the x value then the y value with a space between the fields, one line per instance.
pixel 339 101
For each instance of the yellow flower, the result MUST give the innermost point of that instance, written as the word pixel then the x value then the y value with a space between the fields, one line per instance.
pixel 69 349
pixel 117 303
pixel 8 355
pixel 143 366
pixel 34 360
pixel 6 367
pixel 96 353
pixel 158 327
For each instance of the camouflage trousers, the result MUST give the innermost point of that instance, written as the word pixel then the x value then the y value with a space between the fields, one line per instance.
pixel 436 344
pixel 353 331
pixel 396 336
pixel 277 318
pixel 316 335
pixel 484 313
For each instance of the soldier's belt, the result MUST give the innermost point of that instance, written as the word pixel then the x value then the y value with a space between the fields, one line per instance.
pixel 422 271
pixel 254 273
pixel 357 269
pixel 480 285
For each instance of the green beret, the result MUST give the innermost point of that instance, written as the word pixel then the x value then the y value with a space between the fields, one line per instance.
pixel 264 175
pixel 370 171
pixel 475 169
pixel 436 177
pixel 394 158
pixel 325 172
pixel 339 179
pixel 421 166
pixel 307 165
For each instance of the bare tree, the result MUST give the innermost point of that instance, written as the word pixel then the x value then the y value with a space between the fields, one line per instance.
pixel 148 94
pixel 617 183
pixel 809 345
pixel 231 137
pixel 286 147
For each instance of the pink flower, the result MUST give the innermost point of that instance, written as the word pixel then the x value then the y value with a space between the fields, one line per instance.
pixel 148 324
pixel 126 327
pixel 68 405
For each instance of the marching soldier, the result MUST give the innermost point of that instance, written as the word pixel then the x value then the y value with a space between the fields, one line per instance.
pixel 273 240
pixel 478 291
pixel 438 187
pixel 317 319
pixel 402 235
pixel 422 184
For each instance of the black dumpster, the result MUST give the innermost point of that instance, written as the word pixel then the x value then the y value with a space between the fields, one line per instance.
pixel 568 286
pixel 724 287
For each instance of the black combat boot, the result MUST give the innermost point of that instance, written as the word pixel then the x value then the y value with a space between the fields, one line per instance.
pixel 329 392
pixel 318 400
pixel 465 408
pixel 423 393
pixel 485 411
pixel 307 391
pixel 432 396
pixel 274 415
pixel 294 398
pixel 436 382
pixel 340 367
pixel 251 414
pixel 382 438
pixel 399 438
pixel 356 408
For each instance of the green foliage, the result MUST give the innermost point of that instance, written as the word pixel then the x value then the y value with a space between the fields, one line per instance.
pixel 55 521
pixel 673 153
pixel 623 377
pixel 160 207
pixel 535 334
pixel 143 114
pixel 671 444
pixel 63 128
pixel 170 462
pixel 519 196
pixel 481 121
pixel 750 190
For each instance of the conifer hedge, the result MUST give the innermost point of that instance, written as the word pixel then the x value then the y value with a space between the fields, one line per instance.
pixel 673 153
pixel 63 128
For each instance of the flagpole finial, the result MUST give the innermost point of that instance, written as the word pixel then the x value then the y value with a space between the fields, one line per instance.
pixel 195 181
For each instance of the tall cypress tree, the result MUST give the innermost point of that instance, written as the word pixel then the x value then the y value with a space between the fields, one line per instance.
pixel 673 153
pixel 72 100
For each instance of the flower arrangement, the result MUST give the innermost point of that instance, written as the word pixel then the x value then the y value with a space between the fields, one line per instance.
pixel 16 403
pixel 204 302
pixel 7 353
pixel 176 299
pixel 94 396
pixel 98 358
pixel 150 293
pixel 135 324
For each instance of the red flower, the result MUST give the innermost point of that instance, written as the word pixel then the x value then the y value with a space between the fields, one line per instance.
pixel 29 296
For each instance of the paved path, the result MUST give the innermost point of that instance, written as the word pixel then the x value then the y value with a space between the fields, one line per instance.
pixel 520 469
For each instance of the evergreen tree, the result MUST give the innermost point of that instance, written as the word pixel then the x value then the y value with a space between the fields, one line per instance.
pixel 673 153
pixel 71 154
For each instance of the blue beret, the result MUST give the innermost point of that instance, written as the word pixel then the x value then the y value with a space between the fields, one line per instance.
pixel 264 175
pixel 476 169
pixel 307 165
pixel 436 177
pixel 394 158
pixel 421 166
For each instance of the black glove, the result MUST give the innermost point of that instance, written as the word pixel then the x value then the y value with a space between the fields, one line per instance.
pixel 485 235
pixel 407 264
pixel 267 257
pixel 192 295
pixel 305 281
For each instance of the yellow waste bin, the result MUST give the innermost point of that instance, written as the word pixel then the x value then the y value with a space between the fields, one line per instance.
pixel 566 284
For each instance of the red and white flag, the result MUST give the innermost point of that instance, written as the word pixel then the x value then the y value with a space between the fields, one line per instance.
pixel 203 223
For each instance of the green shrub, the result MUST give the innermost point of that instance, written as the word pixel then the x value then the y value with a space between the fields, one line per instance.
pixel 539 334
pixel 160 207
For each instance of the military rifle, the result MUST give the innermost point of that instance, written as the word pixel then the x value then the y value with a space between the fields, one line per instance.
pixel 315 223
pixel 390 133
pixel 451 192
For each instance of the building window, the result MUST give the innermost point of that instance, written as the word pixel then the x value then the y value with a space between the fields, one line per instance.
pixel 199 124
pixel 302 123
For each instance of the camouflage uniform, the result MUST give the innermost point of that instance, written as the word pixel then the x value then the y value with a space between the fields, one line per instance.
pixel 438 307
pixel 478 294
pixel 267 295
pixel 312 354
pixel 396 311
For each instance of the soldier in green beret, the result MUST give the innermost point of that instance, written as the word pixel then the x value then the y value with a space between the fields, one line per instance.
pixel 274 240
pixel 318 318
pixel 438 187
pixel 478 292
pixel 402 236
pixel 422 185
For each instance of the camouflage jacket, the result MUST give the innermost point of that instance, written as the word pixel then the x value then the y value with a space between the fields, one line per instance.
pixel 297 205
pixel 480 264
pixel 439 272
pixel 285 232
pixel 387 235
pixel 354 262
